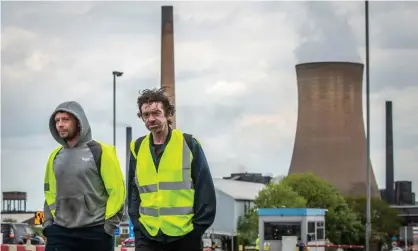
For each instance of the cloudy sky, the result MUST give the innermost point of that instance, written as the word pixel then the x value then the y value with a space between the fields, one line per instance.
pixel 235 76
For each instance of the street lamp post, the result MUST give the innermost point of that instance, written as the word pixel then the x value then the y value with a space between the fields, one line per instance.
pixel 115 75
pixel 368 167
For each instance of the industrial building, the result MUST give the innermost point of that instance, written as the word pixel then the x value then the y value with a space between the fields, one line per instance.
pixel 397 193
pixel 330 137
pixel 234 199
pixel 251 177
pixel 14 207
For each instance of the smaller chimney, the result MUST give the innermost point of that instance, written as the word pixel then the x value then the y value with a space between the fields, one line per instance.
pixel 167 54
pixel 390 196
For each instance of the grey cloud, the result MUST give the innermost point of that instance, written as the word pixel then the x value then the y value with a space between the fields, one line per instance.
pixel 276 7
pixel 326 36
pixel 393 70
pixel 27 112
pixel 94 17
pixel 191 74
pixel 28 95
pixel 396 29
pixel 209 119
pixel 22 112
pixel 405 140
pixel 249 44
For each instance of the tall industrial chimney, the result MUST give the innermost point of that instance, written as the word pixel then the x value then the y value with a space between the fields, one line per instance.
pixel 167 54
pixel 330 137
pixel 390 173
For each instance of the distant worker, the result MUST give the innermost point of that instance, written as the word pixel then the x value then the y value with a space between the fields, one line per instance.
pixel 257 243
pixel 171 196
pixel 84 186
pixel 213 246
pixel 395 247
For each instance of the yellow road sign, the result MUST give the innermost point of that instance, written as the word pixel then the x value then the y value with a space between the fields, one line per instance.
pixel 39 218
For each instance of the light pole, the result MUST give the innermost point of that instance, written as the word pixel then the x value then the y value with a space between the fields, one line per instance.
pixel 115 75
pixel 368 167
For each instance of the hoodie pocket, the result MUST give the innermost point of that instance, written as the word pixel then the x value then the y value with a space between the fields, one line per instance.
pixel 72 209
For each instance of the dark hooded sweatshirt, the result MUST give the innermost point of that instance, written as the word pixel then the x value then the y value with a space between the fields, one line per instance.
pixel 81 195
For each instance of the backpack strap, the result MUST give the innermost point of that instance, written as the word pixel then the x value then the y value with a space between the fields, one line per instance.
pixel 189 140
pixel 96 150
pixel 135 146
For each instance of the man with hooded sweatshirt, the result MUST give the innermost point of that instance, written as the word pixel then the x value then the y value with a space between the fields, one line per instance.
pixel 84 187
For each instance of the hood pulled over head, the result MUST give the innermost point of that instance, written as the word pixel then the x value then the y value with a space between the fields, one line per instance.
pixel 77 111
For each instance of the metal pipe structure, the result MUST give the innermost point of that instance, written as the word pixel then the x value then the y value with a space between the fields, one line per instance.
pixel 368 169
pixel 167 55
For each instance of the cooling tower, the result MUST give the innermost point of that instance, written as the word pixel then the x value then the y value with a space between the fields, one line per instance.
pixel 167 54
pixel 330 137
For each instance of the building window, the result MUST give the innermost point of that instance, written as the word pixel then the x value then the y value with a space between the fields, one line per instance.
pixel 320 231
pixel 311 231
pixel 276 230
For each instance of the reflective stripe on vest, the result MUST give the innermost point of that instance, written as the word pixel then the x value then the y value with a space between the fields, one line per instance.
pixel 167 196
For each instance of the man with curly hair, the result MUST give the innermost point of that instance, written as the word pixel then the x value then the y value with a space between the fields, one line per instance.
pixel 172 198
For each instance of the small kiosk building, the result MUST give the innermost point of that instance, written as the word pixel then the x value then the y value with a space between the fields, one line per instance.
pixel 281 229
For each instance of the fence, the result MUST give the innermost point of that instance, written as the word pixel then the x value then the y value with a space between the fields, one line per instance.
pixel 7 247
pixel 332 247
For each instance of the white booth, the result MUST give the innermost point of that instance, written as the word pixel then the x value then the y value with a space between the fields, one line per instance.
pixel 281 229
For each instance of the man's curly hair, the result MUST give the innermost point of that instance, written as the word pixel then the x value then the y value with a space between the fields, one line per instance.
pixel 155 95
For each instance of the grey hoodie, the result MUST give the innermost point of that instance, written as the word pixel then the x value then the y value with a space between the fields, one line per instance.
pixel 81 194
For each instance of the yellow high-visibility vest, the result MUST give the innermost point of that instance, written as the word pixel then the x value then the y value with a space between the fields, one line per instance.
pixel 257 244
pixel 110 177
pixel 266 246
pixel 167 196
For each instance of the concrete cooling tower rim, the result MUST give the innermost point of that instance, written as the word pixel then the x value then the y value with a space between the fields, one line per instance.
pixel 328 63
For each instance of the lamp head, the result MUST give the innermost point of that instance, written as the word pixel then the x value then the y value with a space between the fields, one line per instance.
pixel 117 73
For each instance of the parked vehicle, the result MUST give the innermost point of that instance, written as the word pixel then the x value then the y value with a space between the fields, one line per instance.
pixel 130 242
pixel 17 233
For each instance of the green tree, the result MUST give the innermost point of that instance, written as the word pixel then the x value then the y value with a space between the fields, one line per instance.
pixel 385 220
pixel 274 195
pixel 342 225
pixel 248 227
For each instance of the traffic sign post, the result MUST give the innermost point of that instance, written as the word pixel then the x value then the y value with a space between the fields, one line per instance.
pixel 117 233
pixel 131 229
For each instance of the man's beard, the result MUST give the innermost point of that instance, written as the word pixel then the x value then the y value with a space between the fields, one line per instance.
pixel 69 136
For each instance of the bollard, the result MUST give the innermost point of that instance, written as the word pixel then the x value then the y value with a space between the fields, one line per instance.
pixel 301 246
pixel 28 242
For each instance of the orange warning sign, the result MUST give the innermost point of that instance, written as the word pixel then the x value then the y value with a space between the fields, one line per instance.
pixel 39 218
